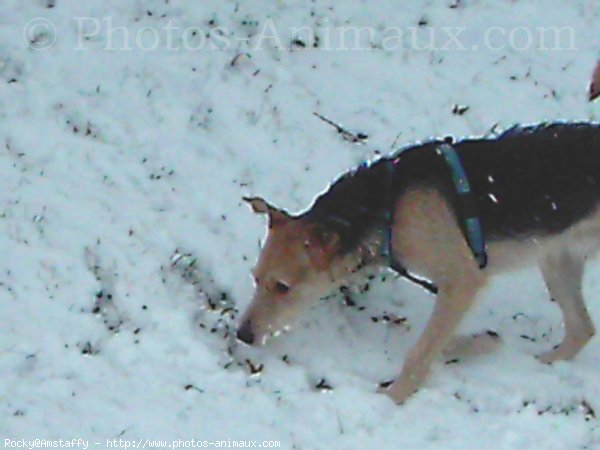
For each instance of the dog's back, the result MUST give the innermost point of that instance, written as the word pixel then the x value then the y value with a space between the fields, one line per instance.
pixel 528 181
pixel 535 180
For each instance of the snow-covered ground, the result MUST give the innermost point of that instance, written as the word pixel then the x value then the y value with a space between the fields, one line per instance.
pixel 135 134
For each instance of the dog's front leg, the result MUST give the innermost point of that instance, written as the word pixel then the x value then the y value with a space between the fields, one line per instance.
pixel 452 303
pixel 428 240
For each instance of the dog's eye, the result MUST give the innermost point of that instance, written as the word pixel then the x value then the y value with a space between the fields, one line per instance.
pixel 281 287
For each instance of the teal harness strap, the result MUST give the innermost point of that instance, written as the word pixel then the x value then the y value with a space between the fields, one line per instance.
pixel 467 207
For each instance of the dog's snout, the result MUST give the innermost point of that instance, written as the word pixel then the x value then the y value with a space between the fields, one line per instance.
pixel 245 333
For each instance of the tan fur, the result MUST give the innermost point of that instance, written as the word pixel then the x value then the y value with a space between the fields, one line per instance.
pixel 428 241
pixel 301 258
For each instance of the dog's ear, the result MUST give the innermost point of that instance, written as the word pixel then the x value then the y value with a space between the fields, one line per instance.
pixel 595 84
pixel 321 245
pixel 260 206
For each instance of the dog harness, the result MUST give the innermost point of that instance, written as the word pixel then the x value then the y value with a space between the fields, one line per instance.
pixel 467 206
pixel 466 211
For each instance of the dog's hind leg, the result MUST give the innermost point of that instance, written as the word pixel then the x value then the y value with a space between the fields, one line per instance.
pixel 563 272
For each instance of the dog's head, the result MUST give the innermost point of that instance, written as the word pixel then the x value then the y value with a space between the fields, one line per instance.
pixel 293 272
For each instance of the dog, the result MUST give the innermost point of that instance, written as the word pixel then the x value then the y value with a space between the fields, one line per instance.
pixel 447 215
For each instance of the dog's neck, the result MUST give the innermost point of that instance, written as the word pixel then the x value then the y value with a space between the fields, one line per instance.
pixel 368 255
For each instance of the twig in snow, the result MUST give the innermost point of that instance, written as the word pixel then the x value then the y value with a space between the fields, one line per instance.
pixel 323 386
pixel 355 138
pixel 588 410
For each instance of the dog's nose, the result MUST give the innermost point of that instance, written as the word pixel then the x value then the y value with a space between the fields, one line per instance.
pixel 245 333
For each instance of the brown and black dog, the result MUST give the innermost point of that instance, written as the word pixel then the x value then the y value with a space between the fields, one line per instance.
pixel 533 197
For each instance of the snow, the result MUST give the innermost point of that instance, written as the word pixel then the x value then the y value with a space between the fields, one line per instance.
pixel 114 160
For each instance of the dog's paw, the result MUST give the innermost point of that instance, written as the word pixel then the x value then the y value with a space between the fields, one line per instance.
pixel 566 350
pixel 397 391
pixel 559 353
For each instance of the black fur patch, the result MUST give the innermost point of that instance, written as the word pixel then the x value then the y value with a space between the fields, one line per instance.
pixel 532 180
pixel 356 205
pixel 537 180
